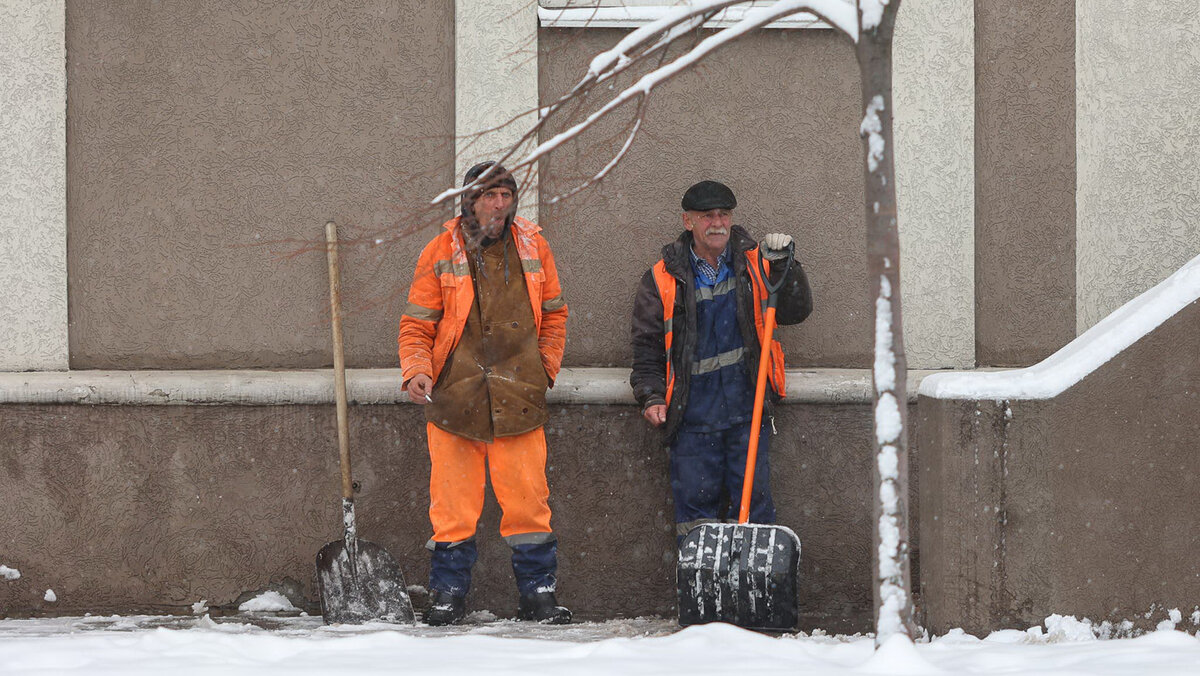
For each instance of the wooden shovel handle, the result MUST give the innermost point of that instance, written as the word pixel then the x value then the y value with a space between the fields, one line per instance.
pixel 339 362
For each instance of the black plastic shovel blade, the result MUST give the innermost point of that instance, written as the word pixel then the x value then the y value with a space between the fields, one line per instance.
pixel 361 584
pixel 744 574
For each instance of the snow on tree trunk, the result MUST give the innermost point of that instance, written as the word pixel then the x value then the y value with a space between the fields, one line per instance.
pixel 893 597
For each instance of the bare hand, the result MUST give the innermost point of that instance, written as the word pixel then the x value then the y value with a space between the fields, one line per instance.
pixel 419 387
pixel 656 414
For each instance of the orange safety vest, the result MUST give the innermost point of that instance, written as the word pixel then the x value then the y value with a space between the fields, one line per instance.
pixel 667 285
pixel 442 293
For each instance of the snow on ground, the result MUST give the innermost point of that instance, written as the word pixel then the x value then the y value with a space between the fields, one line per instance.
pixel 266 602
pixel 288 646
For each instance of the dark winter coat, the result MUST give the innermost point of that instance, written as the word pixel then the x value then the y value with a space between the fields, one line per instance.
pixel 649 374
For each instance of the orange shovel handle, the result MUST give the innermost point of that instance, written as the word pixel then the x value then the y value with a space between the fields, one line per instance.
pixel 760 391
pixel 760 387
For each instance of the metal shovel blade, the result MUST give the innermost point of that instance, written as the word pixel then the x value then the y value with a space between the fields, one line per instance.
pixel 361 583
pixel 743 574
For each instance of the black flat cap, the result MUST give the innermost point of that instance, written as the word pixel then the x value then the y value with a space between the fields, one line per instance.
pixel 707 195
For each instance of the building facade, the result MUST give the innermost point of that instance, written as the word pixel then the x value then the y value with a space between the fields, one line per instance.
pixel 166 170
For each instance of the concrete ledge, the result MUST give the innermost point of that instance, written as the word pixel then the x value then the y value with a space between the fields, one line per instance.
pixel 365 386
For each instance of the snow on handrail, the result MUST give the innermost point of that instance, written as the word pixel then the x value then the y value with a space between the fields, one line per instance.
pixel 1082 356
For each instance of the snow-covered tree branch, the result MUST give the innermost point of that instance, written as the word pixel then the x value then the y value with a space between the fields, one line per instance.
pixel 638 47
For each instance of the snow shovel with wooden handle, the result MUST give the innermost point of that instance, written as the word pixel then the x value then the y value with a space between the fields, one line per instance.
pixel 358 580
pixel 745 574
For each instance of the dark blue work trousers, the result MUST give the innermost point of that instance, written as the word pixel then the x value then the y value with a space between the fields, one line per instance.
pixel 534 565
pixel 706 474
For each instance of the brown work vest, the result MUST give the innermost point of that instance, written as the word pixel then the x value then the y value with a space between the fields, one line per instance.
pixel 493 384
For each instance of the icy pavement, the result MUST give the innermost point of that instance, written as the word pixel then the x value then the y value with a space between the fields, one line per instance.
pixel 479 623
pixel 265 645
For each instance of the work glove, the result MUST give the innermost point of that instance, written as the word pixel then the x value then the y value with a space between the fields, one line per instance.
pixel 776 246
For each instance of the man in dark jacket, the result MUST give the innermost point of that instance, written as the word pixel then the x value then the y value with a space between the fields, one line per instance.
pixel 697 327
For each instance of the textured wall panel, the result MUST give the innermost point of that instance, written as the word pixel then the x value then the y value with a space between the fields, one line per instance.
pixel 1138 148
pixel 1024 180
pixel 201 130
pixel 153 508
pixel 496 80
pixel 1084 504
pixel 33 221
pixel 775 116
pixel 933 90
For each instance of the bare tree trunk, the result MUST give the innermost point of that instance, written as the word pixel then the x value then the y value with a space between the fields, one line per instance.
pixel 893 597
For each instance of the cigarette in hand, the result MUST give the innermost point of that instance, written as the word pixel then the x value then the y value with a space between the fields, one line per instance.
pixel 428 398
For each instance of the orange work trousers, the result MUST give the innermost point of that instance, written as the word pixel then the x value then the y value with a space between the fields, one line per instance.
pixel 517 465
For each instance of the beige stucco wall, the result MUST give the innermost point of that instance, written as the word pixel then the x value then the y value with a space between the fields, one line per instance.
pixel 496 80
pixel 933 91
pixel 1137 141
pixel 33 224
pixel 164 239
pixel 1082 504
pixel 201 131
pixel 1138 137
pixel 1024 180
pixel 776 117
pixel 153 508
pixel 749 126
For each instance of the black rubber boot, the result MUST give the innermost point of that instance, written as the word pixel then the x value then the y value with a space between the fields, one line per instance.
pixel 542 607
pixel 445 609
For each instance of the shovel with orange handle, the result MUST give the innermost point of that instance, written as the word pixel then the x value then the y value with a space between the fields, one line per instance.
pixel 745 574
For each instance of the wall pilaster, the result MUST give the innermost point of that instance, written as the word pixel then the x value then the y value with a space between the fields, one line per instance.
pixel 496 79
pixel 33 223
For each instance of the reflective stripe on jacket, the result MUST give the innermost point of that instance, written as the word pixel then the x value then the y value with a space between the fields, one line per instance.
pixel 665 282
pixel 442 293
pixel 664 328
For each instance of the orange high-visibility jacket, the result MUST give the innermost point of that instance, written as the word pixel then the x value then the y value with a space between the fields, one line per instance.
pixel 442 293
pixel 664 323
pixel 666 283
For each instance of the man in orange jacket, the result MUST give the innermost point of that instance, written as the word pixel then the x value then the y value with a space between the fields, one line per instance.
pixel 481 340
